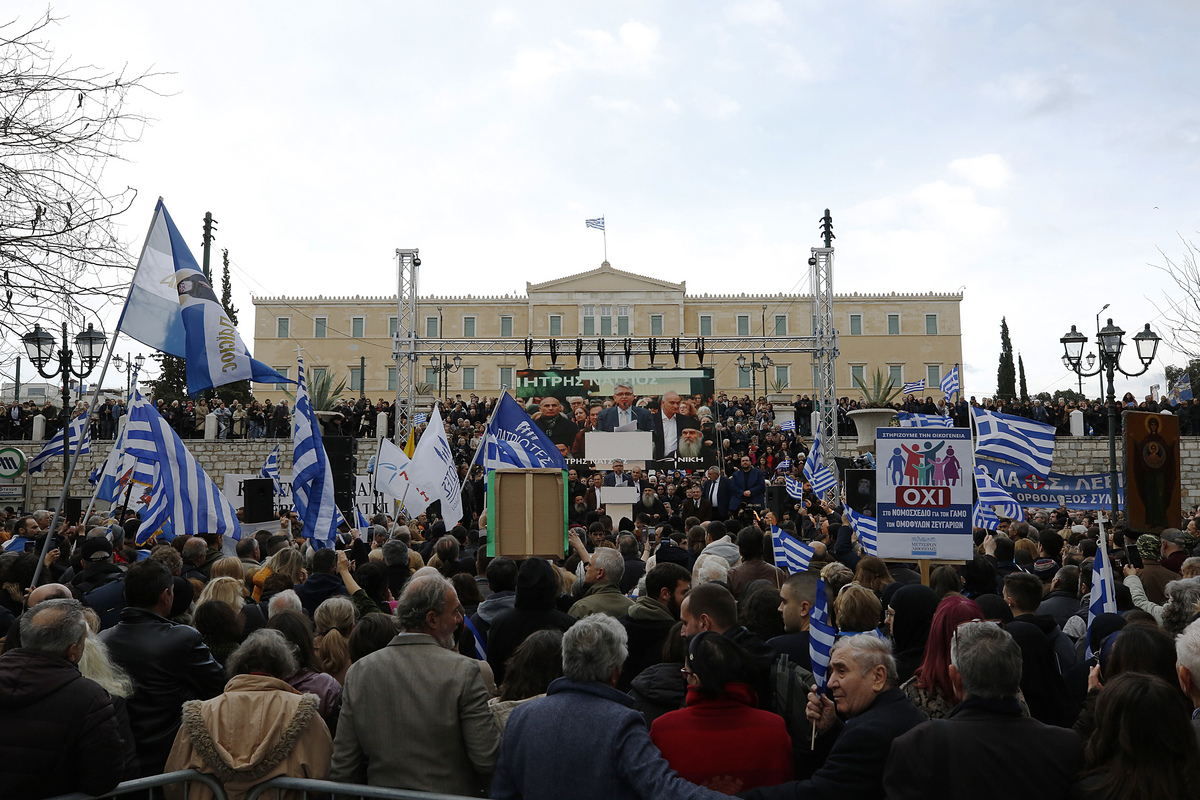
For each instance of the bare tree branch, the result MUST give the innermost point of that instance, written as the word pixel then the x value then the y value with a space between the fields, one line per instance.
pixel 1182 307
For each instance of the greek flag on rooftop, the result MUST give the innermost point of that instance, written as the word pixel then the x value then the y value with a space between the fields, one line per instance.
pixel 597 223
pixel 950 382
pixel 993 494
pixel 312 478
pixel 80 431
pixel 821 636
pixel 182 493
pixel 791 554
pixel 867 529
pixel 1016 439
pixel 914 387
pixel 1104 589
pixel 513 440
pixel 270 469
pixel 788 425
pixel 982 516
pixel 820 476
pixel 908 420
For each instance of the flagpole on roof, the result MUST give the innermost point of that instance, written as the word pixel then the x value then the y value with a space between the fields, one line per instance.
pixel 604 232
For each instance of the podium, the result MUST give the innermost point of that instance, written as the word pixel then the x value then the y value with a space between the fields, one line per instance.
pixel 618 501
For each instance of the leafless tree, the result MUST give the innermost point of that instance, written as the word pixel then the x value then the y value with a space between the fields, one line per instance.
pixel 61 124
pixel 1181 307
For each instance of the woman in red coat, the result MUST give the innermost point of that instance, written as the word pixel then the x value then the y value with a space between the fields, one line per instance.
pixel 720 740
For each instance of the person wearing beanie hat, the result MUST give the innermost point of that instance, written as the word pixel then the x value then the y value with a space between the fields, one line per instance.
pixel 1153 575
pixel 1174 549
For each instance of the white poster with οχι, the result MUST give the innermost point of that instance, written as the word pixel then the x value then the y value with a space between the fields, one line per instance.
pixel 924 492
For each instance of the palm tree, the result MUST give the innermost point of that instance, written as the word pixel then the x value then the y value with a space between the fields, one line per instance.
pixel 321 391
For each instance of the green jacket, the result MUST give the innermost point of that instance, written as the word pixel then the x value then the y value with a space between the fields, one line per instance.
pixel 601 598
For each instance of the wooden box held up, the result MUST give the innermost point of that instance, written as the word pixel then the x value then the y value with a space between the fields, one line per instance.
pixel 527 513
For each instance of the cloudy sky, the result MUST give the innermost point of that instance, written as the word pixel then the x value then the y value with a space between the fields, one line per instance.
pixel 1036 155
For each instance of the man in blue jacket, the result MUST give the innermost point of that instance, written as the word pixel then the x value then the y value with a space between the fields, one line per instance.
pixel 749 486
pixel 624 412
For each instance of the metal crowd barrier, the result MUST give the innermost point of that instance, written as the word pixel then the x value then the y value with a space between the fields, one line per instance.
pixel 148 785
pixel 271 791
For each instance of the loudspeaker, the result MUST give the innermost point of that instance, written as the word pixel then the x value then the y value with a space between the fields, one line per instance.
pixel 343 463
pixel 258 500
pixel 778 501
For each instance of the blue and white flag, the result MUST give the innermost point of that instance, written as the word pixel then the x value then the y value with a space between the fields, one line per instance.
pixel 908 420
pixel 784 465
pixel 183 494
pixel 1104 587
pixel 867 529
pixel 312 477
pixel 513 440
pixel 795 488
pixel 820 476
pixel 950 383
pixel 420 419
pixel 821 636
pixel 1181 389
pixel 993 494
pixel 363 522
pixel 1016 439
pixel 80 431
pixel 434 470
pixel 119 469
pixel 597 223
pixel 16 544
pixel 982 516
pixel 791 554
pixel 391 476
pixel 788 425
pixel 270 469
pixel 914 387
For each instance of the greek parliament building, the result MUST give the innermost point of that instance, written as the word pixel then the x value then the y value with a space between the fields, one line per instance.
pixel 909 336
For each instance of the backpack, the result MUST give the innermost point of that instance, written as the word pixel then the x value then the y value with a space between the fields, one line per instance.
pixel 792 683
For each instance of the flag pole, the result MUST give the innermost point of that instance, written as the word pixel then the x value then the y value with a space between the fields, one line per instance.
pixel 604 231
pixel 482 442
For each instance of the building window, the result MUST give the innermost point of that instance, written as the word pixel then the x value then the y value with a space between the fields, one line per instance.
pixel 590 362
pixel 931 324
pixel 431 376
pixel 506 378
pixel 622 320
pixel 283 327
pixel 743 378
pixel 356 379
pixel 391 379
pixel 706 325
pixel 743 325
pixel 896 375
pixel 506 329
pixel 318 374
pixel 893 324
pixel 468 327
pixel 606 328
pixel 320 324
pixel 393 326
pixel 589 321
pixel 933 376
pixel 782 377
pixel 556 324
pixel 656 326
pixel 781 327
pixel 856 324
pixel 357 326
pixel 431 327
pixel 468 377
pixel 857 374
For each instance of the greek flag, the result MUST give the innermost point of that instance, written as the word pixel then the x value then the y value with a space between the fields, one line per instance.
pixel 1104 588
pixel 312 478
pixel 819 475
pixel 597 223
pixel 16 544
pixel 786 464
pixel 795 488
pixel 270 469
pixel 908 420
pixel 1021 441
pixel 914 387
pixel 821 636
pixel 1181 390
pixel 513 440
pixel 791 554
pixel 80 431
pixel 982 516
pixel 363 522
pixel 993 494
pixel 788 425
pixel 420 419
pixel 867 529
pixel 182 494
pixel 118 470
pixel 950 383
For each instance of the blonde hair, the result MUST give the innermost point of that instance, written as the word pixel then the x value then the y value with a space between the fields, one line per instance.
pixel 224 590
pixel 228 567
pixel 99 667
pixel 857 608
pixel 334 621
pixel 287 562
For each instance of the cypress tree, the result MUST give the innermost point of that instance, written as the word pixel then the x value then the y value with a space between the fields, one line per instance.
pixel 1006 375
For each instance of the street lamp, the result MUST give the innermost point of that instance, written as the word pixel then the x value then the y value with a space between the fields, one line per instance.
pixel 1111 344
pixel 129 366
pixel 1091 359
pixel 438 366
pixel 39 345
pixel 764 363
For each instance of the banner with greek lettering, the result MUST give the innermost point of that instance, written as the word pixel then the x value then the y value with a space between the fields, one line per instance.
pixel 434 472
pixel 1051 491
pixel 924 493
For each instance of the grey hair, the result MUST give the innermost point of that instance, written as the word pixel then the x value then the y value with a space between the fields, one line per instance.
pixel 194 547
pixel 402 534
pixel 988 659
pixel 421 595
pixel 869 652
pixel 287 600
pixel 1187 650
pixel 266 650
pixel 52 626
pixel 620 386
pixel 593 647
pixel 709 568
pixel 611 561
pixel 395 552
pixel 1182 598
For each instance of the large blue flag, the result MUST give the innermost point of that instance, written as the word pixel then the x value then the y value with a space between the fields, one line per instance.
pixel 820 476
pixel 950 383
pixel 513 440
pixel 312 477
pixel 270 469
pixel 821 636
pixel 80 431
pixel 993 494
pixel 909 420
pixel 1104 587
pixel 982 516
pixel 1016 439
pixel 183 494
pixel 867 529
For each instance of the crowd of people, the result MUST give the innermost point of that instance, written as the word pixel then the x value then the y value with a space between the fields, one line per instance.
pixel 657 657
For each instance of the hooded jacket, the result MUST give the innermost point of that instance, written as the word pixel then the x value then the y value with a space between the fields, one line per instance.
pixel 533 610
pixel 60 732
pixel 647 625
pixel 259 729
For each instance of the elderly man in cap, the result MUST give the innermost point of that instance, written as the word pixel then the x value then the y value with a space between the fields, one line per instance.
pixel 1176 547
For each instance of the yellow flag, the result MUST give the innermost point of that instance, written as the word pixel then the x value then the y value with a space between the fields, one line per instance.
pixel 411 445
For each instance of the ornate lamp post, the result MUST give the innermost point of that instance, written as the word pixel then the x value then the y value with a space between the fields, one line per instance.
pixel 39 345
pixel 764 363
pixel 438 366
pixel 128 366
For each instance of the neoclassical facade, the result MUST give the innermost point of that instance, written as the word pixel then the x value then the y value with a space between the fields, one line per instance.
pixel 907 336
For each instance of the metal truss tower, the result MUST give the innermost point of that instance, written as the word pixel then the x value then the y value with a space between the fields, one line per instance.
pixel 405 341
pixel 825 352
